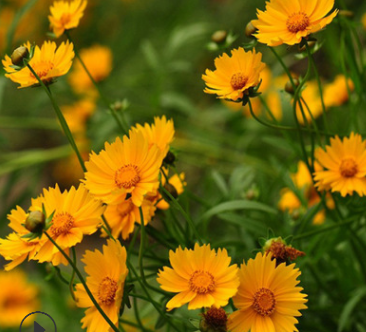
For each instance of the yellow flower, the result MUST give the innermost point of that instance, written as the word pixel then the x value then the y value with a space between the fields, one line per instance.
pixel 303 181
pixel 76 213
pixel 345 165
pixel 124 167
pixel 201 277
pixel 177 181
pixel 363 20
pixel 66 15
pixel 14 247
pixel 287 22
pixel 98 60
pixel 336 93
pixel 18 298
pixel 77 115
pixel 107 272
pixel 160 133
pixel 234 75
pixel 47 62
pixel 268 298
pixel 122 217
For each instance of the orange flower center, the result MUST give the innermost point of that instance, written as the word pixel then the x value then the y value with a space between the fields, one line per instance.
pixel 348 168
pixel 62 223
pixel 42 68
pixel 127 176
pixel 125 208
pixel 297 22
pixel 202 282
pixel 264 302
pixel 107 290
pixel 65 19
pixel 238 81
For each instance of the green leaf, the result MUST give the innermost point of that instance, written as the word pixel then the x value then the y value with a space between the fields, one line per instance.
pixel 238 205
pixel 345 318
pixel 220 182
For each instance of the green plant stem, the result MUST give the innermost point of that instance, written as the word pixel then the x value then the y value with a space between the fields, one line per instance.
pixel 81 278
pixel 71 284
pixel 311 59
pixel 61 118
pixel 122 125
pixel 156 305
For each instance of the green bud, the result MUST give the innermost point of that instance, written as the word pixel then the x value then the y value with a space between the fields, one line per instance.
pixel 35 222
pixel 219 36
pixel 19 55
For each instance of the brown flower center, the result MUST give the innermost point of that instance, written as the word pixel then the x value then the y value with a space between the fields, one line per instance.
pixel 264 302
pixel 107 291
pixel 202 282
pixel 61 223
pixel 238 81
pixel 42 68
pixel 348 168
pixel 127 176
pixel 297 22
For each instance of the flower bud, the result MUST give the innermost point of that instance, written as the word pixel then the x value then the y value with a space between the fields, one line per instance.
pixel 214 320
pixel 311 43
pixel 169 158
pixel 219 36
pixel 171 189
pixel 35 222
pixel 280 251
pixel 250 29
pixel 19 55
pixel 289 88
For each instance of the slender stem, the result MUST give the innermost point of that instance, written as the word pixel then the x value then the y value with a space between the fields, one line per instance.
pixel 61 118
pixel 122 125
pixel 81 278
pixel 71 284
pixel 156 305
pixel 311 59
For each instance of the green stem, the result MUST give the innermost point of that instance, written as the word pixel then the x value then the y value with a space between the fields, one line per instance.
pixel 61 118
pixel 71 284
pixel 311 59
pixel 81 278
pixel 122 125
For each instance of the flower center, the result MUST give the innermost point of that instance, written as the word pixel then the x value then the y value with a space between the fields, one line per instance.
pixel 62 223
pixel 107 290
pixel 297 22
pixel 65 19
pixel 202 282
pixel 348 168
pixel 42 68
pixel 238 81
pixel 127 176
pixel 125 208
pixel 264 302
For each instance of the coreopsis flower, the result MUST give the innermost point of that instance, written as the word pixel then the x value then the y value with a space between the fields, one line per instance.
pixel 98 61
pixel 123 216
pixel 281 251
pixel 287 22
pixel 75 213
pixel 15 247
pixel 160 133
pixel 336 93
pixel 363 20
pixel 47 62
pixel 234 75
pixel 66 15
pixel 268 298
pixel 18 298
pixel 302 180
pixel 344 163
pixel 77 115
pixel 201 277
pixel 107 272
pixel 124 167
